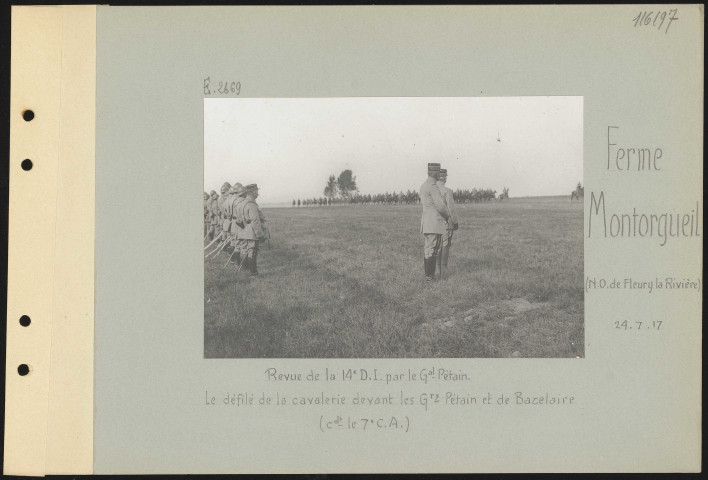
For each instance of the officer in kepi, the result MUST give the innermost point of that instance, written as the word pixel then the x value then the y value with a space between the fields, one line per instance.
pixel 452 224
pixel 249 216
pixel 433 225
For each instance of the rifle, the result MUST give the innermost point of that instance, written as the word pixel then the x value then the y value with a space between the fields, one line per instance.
pixel 223 245
pixel 216 238
pixel 217 250
pixel 229 260
pixel 241 264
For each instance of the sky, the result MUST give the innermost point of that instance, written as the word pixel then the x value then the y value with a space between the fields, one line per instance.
pixel 290 146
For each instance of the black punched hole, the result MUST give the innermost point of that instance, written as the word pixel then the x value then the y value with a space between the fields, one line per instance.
pixel 26 164
pixel 28 115
pixel 23 369
pixel 25 321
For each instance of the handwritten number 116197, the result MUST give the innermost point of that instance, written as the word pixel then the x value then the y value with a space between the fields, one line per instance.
pixel 656 19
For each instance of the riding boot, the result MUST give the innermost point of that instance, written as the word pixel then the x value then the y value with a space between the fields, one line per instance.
pixel 438 265
pixel 252 263
pixel 445 254
pixel 430 269
pixel 237 258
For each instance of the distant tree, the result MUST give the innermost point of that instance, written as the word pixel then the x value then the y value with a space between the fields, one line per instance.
pixel 330 190
pixel 293 202
pixel 346 184
pixel 298 202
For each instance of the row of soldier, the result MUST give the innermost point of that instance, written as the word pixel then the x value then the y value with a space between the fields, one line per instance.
pixel 403 198
pixel 234 222
pixel 438 223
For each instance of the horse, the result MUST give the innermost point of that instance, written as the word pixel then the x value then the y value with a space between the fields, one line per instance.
pixel 578 193
pixel 504 194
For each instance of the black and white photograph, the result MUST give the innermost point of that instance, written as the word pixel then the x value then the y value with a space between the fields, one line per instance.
pixel 393 227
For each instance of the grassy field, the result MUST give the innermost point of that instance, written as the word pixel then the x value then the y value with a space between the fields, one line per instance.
pixel 343 282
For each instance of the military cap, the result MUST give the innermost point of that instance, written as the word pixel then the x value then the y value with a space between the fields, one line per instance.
pixel 433 167
pixel 213 192
pixel 237 189
pixel 251 188
pixel 225 187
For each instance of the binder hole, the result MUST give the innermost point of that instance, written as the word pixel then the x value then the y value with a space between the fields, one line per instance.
pixel 26 164
pixel 23 369
pixel 25 321
pixel 28 115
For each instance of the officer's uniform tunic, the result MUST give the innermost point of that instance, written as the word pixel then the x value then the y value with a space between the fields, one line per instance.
pixel 450 206
pixel 433 224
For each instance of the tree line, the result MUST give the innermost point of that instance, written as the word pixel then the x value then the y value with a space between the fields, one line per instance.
pixel 342 190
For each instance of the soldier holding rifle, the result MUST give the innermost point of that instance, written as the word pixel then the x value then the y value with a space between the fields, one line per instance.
pixel 219 210
pixel 206 222
pixel 227 214
pixel 249 219
pixel 210 215
pixel 237 197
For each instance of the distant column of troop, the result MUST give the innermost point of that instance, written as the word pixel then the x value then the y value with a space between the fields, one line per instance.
pixel 438 223
pixel 236 224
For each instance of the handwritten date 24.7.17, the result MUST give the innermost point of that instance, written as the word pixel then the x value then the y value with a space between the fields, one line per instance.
pixel 625 325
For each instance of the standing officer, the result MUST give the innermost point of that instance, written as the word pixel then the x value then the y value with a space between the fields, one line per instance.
pixel 452 224
pixel 433 224
pixel 211 203
pixel 248 214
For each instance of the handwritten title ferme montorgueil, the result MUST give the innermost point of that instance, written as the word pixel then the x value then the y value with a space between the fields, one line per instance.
pixel 637 223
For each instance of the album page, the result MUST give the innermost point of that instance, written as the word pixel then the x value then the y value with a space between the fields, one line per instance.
pixel 434 239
